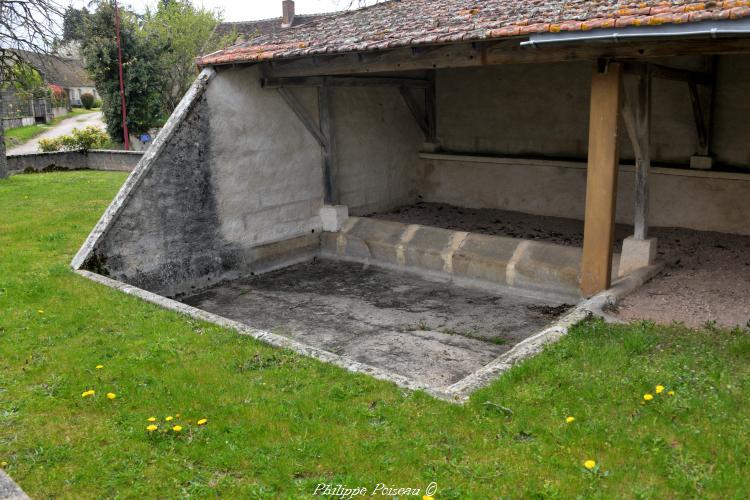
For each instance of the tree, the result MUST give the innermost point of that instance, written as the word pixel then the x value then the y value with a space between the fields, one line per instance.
pixel 29 25
pixel 143 70
pixel 185 31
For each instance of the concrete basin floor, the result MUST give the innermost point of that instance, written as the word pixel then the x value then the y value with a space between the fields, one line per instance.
pixel 430 331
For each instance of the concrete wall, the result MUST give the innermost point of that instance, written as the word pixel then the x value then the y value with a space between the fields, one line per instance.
pixel 23 121
pixel 122 161
pixel 377 141
pixel 542 110
pixel 266 167
pixel 710 201
pixel 235 187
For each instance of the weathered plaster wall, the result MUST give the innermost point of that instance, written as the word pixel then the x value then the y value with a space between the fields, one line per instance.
pixel 679 198
pixel 266 167
pixel 377 141
pixel 542 110
pixel 236 189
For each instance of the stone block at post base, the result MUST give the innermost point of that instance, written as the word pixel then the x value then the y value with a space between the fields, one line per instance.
pixel 636 253
pixel 333 217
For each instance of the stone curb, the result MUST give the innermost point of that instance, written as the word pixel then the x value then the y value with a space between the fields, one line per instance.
pixel 457 393
pixel 9 490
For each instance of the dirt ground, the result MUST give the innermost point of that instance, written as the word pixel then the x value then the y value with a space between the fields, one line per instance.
pixel 430 331
pixel 706 277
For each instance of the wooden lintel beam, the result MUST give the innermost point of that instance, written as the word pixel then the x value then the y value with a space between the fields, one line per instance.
pixel 343 81
pixel 417 113
pixel 498 52
pixel 303 116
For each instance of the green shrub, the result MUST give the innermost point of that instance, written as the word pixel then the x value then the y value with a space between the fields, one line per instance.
pixel 91 137
pixel 87 100
pixel 97 103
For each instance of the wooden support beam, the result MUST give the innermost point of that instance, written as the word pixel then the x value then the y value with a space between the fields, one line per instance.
pixel 342 81
pixel 326 127
pixel 700 122
pixel 416 112
pixel 669 73
pixel 496 52
pixel 713 68
pixel 637 118
pixel 601 180
pixel 431 107
pixel 301 113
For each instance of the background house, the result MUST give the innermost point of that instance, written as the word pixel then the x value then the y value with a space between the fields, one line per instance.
pixel 65 72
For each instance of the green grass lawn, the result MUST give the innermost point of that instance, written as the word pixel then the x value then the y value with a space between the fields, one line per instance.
pixel 279 424
pixel 19 135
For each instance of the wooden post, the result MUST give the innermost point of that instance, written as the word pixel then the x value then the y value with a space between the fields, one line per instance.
pixel 601 179
pixel 637 118
pixel 431 107
pixel 324 110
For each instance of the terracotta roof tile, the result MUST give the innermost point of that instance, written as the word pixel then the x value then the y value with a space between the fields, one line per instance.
pixel 402 23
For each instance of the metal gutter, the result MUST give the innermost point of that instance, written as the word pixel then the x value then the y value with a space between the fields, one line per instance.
pixel 710 29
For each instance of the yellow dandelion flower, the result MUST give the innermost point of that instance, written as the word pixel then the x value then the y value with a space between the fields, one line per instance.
pixel 41 311
pixel 111 395
pixel 648 397
pixel 589 464
pixel 427 497
pixel 177 428
pixel 151 428
pixel 3 464
pixel 151 419
pixel 88 393
pixel 570 420
pixel 169 418
pixel 659 389
pixel 671 393
pixel 99 367
pixel 202 421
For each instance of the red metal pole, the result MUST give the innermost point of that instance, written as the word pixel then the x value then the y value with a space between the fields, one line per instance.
pixel 122 86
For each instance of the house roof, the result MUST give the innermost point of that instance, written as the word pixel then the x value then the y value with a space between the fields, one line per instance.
pixel 401 23
pixel 253 29
pixel 61 71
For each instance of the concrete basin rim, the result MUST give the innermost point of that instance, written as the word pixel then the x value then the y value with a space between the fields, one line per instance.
pixel 457 393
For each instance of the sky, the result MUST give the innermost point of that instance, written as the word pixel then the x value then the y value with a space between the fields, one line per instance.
pixel 245 10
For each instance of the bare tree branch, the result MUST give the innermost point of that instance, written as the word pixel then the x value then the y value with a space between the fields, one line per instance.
pixel 25 25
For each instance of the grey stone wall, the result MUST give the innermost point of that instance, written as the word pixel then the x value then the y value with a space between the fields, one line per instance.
pixel 122 161
pixel 707 201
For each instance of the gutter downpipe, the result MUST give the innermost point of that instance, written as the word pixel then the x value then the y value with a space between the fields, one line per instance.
pixel 710 29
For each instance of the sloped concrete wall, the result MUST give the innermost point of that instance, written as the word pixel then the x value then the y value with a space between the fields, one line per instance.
pixel 235 187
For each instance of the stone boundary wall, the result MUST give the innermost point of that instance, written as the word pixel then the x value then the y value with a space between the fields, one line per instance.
pixel 104 159
pixel 23 121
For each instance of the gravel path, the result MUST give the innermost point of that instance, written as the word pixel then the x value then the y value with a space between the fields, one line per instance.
pixel 706 277
pixel 65 127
